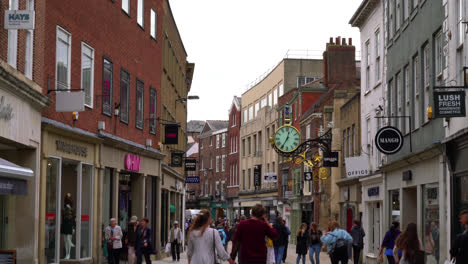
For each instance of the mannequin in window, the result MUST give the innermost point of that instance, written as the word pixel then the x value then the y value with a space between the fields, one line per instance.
pixel 68 224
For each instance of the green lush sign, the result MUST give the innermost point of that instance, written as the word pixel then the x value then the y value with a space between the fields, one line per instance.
pixel 449 104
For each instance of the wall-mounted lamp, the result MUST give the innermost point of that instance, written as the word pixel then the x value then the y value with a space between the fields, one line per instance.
pixel 101 125
pixel 75 116
pixel 149 143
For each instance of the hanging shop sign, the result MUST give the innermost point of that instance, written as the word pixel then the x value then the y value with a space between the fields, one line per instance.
pixel 449 104
pixel 389 140
pixel 176 159
pixel 357 166
pixel 171 134
pixel 257 176
pixel 132 162
pixel 19 19
pixel 270 177
pixel 330 159
pixel 192 179
pixel 190 165
pixel 308 176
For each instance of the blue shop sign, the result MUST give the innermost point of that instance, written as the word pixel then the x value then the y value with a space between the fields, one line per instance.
pixel 373 191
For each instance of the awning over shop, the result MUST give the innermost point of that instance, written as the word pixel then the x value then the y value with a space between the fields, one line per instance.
pixel 11 170
pixel 13 178
pixel 173 209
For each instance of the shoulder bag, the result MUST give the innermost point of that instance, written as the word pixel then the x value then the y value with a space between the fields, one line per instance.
pixel 214 248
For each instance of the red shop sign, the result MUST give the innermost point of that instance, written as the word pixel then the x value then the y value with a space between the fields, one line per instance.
pixel 50 216
pixel 85 218
pixel 132 162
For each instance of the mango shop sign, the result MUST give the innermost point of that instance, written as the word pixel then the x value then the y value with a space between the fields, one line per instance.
pixel 19 19
pixel 389 140
pixel 449 104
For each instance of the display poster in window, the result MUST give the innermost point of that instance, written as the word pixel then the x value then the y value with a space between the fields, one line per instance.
pixel 171 134
pixel 449 104
pixel 257 176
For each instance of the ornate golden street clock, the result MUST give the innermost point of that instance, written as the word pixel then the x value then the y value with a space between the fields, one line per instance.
pixel 287 138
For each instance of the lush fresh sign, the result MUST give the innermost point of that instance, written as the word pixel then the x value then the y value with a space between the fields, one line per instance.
pixel 19 19
pixel 449 104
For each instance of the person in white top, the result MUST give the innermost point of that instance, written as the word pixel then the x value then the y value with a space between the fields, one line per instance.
pixel 204 242
pixel 175 238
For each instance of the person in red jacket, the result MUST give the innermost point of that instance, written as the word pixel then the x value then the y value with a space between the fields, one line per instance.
pixel 250 237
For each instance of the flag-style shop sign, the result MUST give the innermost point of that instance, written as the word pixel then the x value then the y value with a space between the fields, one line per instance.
pixel 176 159
pixel 389 140
pixel 192 179
pixel 449 104
pixel 190 165
pixel 330 159
pixel 171 134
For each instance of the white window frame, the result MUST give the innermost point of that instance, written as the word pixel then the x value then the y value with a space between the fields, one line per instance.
pixel 126 6
pixel 398 14
pixel 427 81
pixel 251 112
pixel 246 117
pixel 399 100
pixel 438 54
pixel 256 109
pixel 91 88
pixel 391 18
pixel 217 141
pixel 141 13
pixel 60 29
pixel 415 4
pixel 12 55
pixel 281 90
pixel 461 27
pixel 154 23
pixel 29 47
pixel 416 83
pixel 275 96
pixel 407 95
pixel 223 140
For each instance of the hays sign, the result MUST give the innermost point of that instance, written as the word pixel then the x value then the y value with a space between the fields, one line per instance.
pixel 19 19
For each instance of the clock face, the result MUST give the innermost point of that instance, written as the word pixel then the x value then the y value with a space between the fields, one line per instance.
pixel 287 138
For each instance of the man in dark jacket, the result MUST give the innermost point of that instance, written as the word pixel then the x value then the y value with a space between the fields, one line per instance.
pixel 459 250
pixel 282 241
pixel 358 234
pixel 143 242
pixel 131 238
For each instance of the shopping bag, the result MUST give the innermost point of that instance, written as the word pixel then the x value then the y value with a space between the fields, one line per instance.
pixel 168 248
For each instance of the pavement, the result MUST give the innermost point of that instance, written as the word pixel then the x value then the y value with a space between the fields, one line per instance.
pixel 291 258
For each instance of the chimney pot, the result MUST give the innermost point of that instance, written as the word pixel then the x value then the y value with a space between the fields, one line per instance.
pixel 337 40
pixel 331 40
pixel 350 41
pixel 343 42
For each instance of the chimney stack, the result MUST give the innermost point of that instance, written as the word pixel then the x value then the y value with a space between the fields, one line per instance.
pixel 331 41
pixel 350 41
pixel 339 62
pixel 343 42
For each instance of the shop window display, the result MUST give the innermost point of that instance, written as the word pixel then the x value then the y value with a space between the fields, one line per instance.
pixel 395 205
pixel 431 223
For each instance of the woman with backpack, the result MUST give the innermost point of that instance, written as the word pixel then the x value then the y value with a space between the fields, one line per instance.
pixel 410 244
pixel 389 243
pixel 302 236
pixel 337 241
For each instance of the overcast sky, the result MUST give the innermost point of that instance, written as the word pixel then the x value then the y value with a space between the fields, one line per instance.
pixel 232 42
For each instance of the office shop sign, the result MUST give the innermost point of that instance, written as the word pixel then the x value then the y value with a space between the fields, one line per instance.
pixel 19 19
pixel 389 140
pixel 449 104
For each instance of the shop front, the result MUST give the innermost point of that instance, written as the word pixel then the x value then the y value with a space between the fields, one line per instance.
pixel 68 194
pixel 21 103
pixel 129 184
pixel 218 210
pixel 350 201
pixel 372 216
pixel 414 195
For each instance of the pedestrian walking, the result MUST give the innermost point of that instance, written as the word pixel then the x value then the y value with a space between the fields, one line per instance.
pixel 250 237
pixel 410 245
pixel 358 234
pixel 314 243
pixel 222 235
pixel 270 251
pixel 388 243
pixel 302 236
pixel 204 242
pixel 281 242
pixel 143 243
pixel 130 239
pixel 113 235
pixel 285 255
pixel 429 246
pixel 459 249
pixel 337 241
pixel 175 238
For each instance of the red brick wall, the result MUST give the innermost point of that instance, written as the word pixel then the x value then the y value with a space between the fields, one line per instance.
pixel 113 34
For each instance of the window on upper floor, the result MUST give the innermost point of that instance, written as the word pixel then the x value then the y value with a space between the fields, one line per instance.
pixel 211 140
pixel 415 4
pixel 407 93
pixel 154 23
pixel 140 12
pixel 391 18
pixel 107 87
pixel 438 54
pixel 263 102
pixel 29 44
pixel 126 6
pixel 344 142
pixel 223 162
pixel 368 62
pixel 257 108
pixel 460 25
pixel 416 83
pixel 427 81
pixel 281 90
pixel 377 55
pixel 398 14
pixel 243 147
pixel 399 100
pixel 217 164
pixel 275 97
pixel 63 59
pixel 249 143
pixel 124 95
pixel 217 141
pixel 245 115
pixel 406 8
pixel 223 140
pixel 392 89
pixel 87 73
pixel 153 110
pixel 354 144
pixel 140 112
pixel 251 112
pixel 12 53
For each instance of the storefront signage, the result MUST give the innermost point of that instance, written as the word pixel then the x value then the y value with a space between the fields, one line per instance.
pixel 132 162
pixel 19 19
pixel 192 179
pixel 204 203
pixel 308 176
pixel 218 205
pixel 71 148
pixel 357 166
pixel 171 134
pixel 449 104
pixel 257 176
pixel 7 256
pixel 389 140
pixel 176 159
pixel 288 194
pixel 330 159
pixel 6 111
pixel 270 177
pixel 190 165
pixel 10 186
pixel 374 191
pixel 50 216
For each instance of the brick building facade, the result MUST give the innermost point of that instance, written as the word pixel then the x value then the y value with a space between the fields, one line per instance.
pixel 233 157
